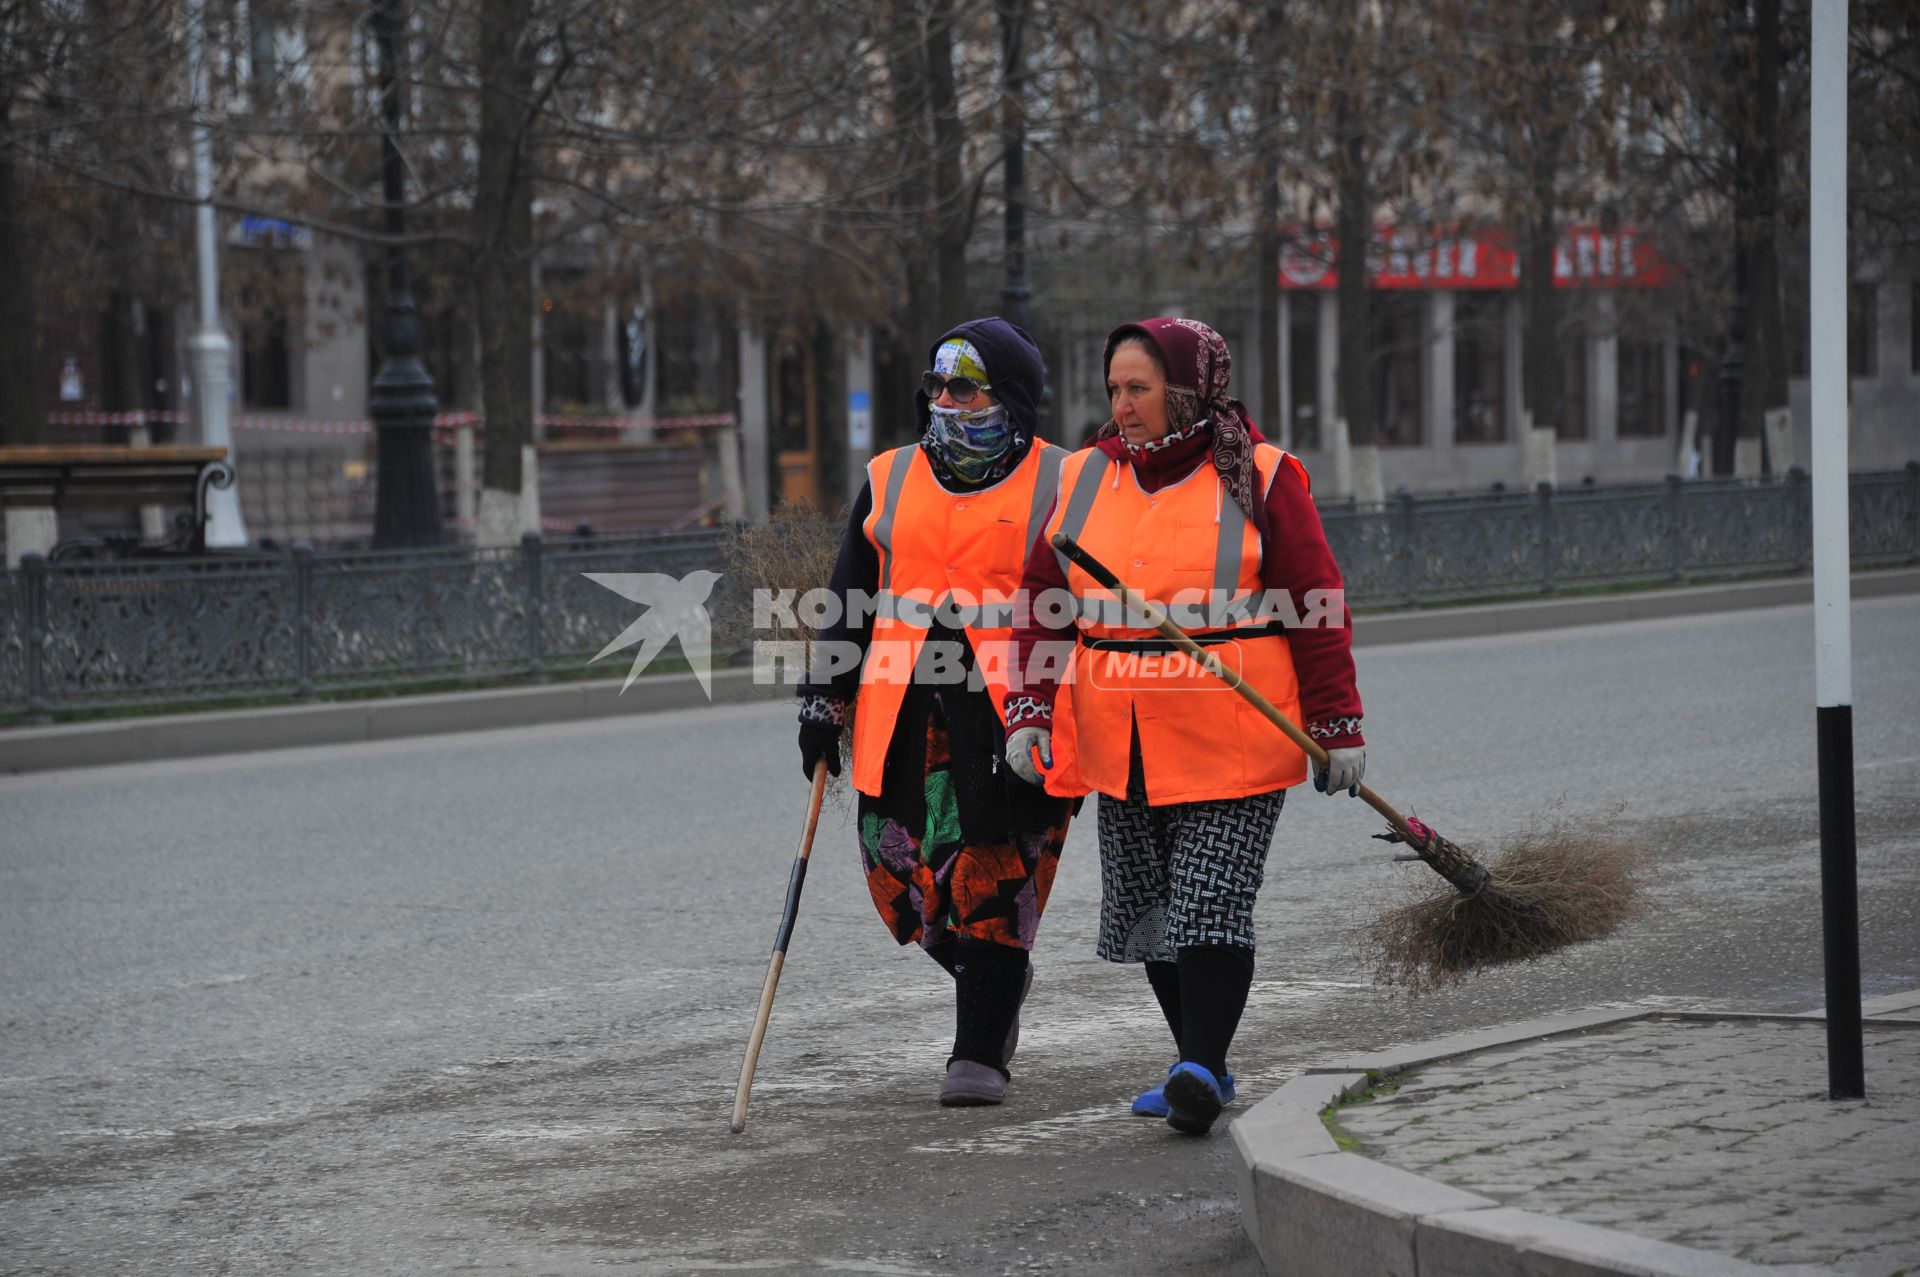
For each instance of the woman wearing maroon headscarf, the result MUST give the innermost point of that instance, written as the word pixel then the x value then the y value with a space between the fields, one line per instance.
pixel 1184 500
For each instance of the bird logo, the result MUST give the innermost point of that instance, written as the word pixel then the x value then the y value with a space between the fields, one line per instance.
pixel 676 608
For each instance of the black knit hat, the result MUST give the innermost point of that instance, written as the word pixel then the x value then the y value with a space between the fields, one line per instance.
pixel 1014 368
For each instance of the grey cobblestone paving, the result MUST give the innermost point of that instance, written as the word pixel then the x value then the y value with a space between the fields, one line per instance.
pixel 1712 1134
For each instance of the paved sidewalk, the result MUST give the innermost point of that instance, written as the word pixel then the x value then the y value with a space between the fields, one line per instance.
pixel 1607 1142
pixel 1715 1134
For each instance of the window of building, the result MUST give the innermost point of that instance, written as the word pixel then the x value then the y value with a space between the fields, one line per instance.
pixel 1863 330
pixel 679 346
pixel 1479 368
pixel 1303 369
pixel 266 370
pixel 1573 380
pixel 1642 386
pixel 571 334
pixel 275 49
pixel 1399 334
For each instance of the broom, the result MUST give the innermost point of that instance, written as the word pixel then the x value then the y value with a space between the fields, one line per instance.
pixel 796 879
pixel 787 556
pixel 1551 888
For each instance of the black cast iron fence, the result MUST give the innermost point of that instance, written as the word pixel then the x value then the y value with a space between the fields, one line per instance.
pixel 255 626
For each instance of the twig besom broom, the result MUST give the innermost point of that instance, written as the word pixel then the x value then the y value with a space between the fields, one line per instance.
pixel 1543 895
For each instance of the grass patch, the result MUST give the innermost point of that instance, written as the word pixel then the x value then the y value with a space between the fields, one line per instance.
pixel 1378 1086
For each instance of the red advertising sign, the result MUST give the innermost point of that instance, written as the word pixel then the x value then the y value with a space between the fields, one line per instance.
pixel 1586 257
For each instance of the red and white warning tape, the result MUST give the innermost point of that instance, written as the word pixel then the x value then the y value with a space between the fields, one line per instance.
pixel 138 417
pixel 445 421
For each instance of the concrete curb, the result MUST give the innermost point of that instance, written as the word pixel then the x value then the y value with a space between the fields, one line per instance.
pixel 35 749
pixel 1312 1210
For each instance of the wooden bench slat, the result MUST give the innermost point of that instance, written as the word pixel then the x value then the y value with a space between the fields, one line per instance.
pixel 107 455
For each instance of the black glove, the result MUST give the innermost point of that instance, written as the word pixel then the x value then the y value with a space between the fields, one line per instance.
pixel 818 741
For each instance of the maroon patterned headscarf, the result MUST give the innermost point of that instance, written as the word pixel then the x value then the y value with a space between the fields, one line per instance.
pixel 1198 366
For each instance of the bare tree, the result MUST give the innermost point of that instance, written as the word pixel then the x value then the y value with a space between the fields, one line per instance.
pixel 1365 77
pixel 20 412
pixel 1540 113
pixel 503 248
pixel 1270 172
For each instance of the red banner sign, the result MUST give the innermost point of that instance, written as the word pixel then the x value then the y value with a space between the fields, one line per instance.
pixel 1585 257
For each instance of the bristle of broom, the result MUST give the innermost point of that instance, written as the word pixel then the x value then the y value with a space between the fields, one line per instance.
pixel 794 550
pixel 1555 885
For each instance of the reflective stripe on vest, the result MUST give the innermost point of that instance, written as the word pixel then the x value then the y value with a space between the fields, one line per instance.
pixel 916 529
pixel 1085 488
pixel 1199 740
pixel 889 506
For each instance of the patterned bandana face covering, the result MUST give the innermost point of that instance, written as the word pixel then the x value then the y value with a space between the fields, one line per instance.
pixel 969 440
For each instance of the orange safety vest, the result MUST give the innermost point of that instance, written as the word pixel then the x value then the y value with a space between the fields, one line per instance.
pixel 934 544
pixel 1199 739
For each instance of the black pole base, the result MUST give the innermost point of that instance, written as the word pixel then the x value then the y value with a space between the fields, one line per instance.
pixel 1840 904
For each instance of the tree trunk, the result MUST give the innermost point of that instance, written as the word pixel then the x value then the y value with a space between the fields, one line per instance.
pixel 1015 297
pixel 950 203
pixel 1353 222
pixel 1542 378
pixel 503 262
pixel 1268 231
pixel 1541 354
pixel 1764 388
pixel 22 419
pixel 915 208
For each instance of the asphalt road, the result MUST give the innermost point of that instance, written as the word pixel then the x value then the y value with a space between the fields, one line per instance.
pixel 477 1003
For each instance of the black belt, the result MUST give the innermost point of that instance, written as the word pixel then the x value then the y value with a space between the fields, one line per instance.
pixel 1207 639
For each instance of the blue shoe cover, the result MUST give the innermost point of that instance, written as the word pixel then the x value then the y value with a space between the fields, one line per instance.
pixel 1194 1098
pixel 1153 1103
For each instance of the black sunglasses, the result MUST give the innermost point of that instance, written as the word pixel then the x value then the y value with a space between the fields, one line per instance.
pixel 963 389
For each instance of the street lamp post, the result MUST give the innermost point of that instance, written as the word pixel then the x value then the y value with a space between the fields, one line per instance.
pixel 406 500
pixel 212 353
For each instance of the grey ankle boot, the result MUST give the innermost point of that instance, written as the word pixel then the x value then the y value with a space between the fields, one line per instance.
pixel 1013 1030
pixel 969 1083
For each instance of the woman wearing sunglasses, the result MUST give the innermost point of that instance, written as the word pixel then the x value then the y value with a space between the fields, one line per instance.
pixel 1182 499
pixel 959 852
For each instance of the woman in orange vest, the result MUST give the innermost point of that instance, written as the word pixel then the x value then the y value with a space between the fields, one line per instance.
pixel 959 852
pixel 1186 503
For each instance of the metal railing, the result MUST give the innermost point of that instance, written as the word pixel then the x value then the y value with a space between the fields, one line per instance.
pixel 237 627
pixel 233 627
pixel 1429 549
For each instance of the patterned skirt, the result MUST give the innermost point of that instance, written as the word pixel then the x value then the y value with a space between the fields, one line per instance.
pixel 952 849
pixel 1182 874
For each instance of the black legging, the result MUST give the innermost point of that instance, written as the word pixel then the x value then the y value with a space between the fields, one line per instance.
pixel 988 982
pixel 1202 996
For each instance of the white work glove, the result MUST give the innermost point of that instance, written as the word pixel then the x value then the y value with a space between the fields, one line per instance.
pixel 1020 753
pixel 1344 769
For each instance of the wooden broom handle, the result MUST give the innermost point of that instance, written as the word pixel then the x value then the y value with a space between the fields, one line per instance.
pixel 1158 618
pixel 795 880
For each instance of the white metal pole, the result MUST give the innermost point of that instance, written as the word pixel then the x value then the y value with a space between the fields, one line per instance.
pixel 212 353
pixel 1832 622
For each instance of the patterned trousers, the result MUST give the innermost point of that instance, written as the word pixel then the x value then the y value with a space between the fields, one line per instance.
pixel 1182 874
